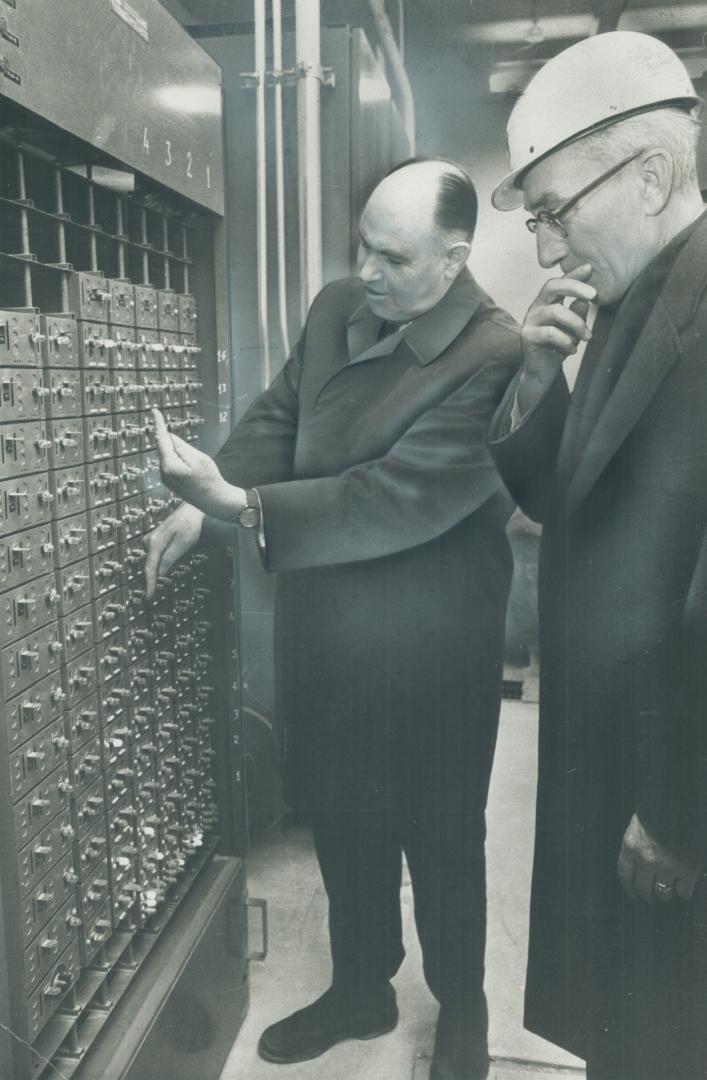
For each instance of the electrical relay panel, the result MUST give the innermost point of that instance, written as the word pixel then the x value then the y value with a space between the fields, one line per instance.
pixel 109 796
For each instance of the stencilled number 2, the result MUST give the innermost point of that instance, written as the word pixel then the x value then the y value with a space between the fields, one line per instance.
pixel 190 174
pixel 168 158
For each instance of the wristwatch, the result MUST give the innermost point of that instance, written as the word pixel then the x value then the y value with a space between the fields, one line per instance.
pixel 249 516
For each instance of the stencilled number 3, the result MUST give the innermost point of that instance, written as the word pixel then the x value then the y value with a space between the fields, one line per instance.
pixel 168 159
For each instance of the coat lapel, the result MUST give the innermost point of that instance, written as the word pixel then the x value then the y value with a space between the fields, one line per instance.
pixel 433 332
pixel 428 336
pixel 362 337
pixel 656 351
pixel 654 354
pixel 362 330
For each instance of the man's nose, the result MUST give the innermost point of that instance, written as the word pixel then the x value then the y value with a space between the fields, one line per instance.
pixel 369 269
pixel 551 247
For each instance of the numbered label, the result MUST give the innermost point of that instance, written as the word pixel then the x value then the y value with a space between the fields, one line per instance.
pixel 170 158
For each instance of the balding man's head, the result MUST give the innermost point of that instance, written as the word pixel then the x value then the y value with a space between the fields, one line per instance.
pixel 416 230
pixel 457 204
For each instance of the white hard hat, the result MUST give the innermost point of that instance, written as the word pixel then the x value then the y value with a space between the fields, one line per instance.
pixel 588 86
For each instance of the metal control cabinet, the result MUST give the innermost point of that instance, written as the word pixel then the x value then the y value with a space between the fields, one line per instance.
pixel 120 776
pixel 155 96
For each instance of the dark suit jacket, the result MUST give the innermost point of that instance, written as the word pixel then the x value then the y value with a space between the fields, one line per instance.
pixel 623 646
pixel 384 518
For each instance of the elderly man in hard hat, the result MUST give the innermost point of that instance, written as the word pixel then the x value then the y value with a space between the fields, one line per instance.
pixel 602 148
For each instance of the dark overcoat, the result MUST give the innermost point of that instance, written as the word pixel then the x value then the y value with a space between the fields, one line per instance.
pixel 384 519
pixel 623 698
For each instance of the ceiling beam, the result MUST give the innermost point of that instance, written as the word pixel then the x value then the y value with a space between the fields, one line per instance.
pixel 553 27
pixel 512 76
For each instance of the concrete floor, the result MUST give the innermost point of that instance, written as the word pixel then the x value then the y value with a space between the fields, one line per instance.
pixel 283 870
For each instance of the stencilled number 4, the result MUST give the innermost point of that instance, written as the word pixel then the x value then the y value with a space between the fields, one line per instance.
pixel 145 142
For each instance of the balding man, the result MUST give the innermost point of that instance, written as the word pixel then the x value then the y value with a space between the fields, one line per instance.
pixel 378 506
pixel 603 157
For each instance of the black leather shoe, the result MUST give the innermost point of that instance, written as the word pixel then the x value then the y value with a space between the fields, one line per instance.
pixel 330 1019
pixel 461 1045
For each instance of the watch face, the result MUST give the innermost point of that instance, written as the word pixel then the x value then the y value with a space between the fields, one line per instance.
pixel 249 517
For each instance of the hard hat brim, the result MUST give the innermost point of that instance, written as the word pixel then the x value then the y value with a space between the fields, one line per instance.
pixel 508 195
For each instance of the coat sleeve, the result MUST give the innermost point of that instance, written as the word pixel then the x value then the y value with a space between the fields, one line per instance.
pixel 672 747
pixel 435 475
pixel 261 448
pixel 527 457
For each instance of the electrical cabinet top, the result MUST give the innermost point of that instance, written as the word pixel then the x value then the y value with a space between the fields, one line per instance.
pixel 137 86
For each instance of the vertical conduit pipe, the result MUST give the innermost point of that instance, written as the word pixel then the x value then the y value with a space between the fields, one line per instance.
pixel 280 175
pixel 262 193
pixel 401 30
pixel 308 60
pixel 396 68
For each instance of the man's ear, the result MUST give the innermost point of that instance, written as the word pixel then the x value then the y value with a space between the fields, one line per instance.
pixel 457 255
pixel 657 177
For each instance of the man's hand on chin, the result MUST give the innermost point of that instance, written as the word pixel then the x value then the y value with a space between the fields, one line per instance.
pixel 194 476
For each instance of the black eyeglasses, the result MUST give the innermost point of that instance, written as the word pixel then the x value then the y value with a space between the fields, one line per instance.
pixel 551 218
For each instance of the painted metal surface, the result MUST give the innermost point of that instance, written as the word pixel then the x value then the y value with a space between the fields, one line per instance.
pixel 138 88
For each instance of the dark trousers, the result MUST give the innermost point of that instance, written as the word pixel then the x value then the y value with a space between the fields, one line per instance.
pixel 360 856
